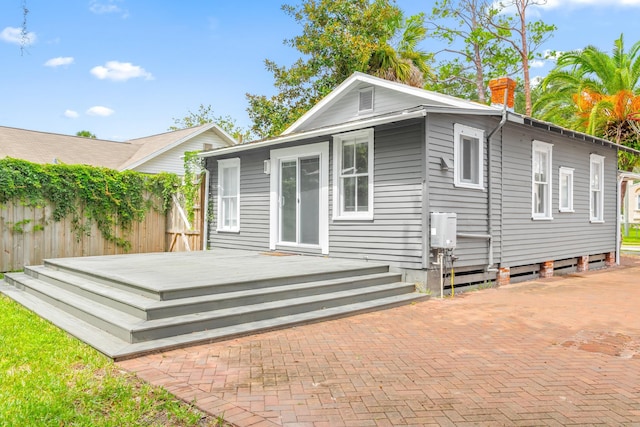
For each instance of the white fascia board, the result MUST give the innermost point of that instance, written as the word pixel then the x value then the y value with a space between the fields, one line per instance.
pixel 211 126
pixel 344 127
pixel 358 77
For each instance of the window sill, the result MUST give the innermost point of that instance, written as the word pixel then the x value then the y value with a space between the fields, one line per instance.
pixel 596 221
pixel 470 186
pixel 542 218
pixel 228 230
pixel 566 211
pixel 353 218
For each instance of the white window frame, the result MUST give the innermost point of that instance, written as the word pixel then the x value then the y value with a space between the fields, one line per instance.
pixel 222 165
pixel 460 130
pixel 597 161
pixel 338 193
pixel 563 173
pixel 544 147
pixel 638 202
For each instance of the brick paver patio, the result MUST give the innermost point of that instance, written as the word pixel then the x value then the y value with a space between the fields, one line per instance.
pixel 558 351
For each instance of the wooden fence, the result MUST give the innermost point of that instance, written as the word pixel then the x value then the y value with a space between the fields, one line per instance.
pixel 29 235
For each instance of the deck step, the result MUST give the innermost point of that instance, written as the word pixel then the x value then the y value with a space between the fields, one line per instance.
pixel 119 349
pixel 123 311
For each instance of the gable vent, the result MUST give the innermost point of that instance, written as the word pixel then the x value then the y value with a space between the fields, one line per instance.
pixel 365 103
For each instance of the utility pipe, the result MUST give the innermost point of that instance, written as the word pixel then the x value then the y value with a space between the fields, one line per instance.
pixel 503 120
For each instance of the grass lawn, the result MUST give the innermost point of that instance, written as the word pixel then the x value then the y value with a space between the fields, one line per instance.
pixel 48 378
pixel 631 240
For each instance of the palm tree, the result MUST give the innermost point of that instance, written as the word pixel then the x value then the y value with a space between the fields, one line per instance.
pixel 597 93
pixel 403 61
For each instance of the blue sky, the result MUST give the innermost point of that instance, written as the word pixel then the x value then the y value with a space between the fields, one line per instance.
pixel 125 68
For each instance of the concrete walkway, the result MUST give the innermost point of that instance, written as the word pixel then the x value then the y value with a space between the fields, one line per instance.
pixel 559 351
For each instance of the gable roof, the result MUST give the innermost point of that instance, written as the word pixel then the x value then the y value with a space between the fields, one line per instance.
pixel 45 147
pixel 425 97
pixel 154 145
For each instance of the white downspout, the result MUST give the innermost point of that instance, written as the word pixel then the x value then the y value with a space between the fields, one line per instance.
pixel 490 180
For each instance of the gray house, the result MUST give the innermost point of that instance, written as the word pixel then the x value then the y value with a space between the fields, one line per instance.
pixel 382 171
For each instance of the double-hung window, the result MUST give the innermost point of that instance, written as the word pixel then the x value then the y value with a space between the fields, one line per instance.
pixel 353 175
pixel 468 156
pixel 596 195
pixel 541 180
pixel 229 195
pixel 566 189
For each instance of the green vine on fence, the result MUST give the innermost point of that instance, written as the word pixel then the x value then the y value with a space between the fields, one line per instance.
pixel 193 174
pixel 109 198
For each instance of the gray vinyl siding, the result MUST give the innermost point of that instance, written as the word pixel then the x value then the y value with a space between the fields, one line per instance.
pixel 254 204
pixel 346 108
pixel 470 205
pixel 172 160
pixel 395 233
pixel 567 235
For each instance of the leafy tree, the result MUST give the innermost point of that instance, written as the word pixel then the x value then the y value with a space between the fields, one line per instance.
pixel 478 55
pixel 524 38
pixel 204 115
pixel 338 38
pixel 487 41
pixel 85 134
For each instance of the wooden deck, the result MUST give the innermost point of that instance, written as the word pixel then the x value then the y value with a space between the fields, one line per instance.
pixel 127 305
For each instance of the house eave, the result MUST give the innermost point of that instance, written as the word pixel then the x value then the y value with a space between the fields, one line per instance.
pixel 228 139
pixel 343 127
pixel 359 77
pixel 550 127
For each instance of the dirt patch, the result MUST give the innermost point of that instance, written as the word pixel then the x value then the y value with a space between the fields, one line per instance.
pixel 618 345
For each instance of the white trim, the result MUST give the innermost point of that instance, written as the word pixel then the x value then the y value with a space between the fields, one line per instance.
pixel 562 172
pixel 358 78
pixel 539 146
pixel 599 160
pixel 225 164
pixel 343 127
pixel 338 213
pixel 321 149
pixel 227 139
pixel 478 134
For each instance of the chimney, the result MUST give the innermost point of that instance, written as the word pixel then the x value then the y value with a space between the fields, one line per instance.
pixel 498 88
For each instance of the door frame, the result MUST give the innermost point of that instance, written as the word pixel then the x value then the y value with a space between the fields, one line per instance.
pixel 320 149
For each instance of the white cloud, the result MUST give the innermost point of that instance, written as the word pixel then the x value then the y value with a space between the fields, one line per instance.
pixel 71 114
pixel 101 111
pixel 14 35
pixel 552 55
pixel 60 60
pixel 120 71
pixel 536 63
pixel 534 82
pixel 110 6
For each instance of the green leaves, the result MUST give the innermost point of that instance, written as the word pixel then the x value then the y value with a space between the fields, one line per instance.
pixel 339 37
pixel 108 198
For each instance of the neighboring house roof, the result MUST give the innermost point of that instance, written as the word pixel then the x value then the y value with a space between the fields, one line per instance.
pixel 152 146
pixel 44 147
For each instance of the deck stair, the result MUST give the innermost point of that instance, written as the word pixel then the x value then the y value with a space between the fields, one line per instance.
pixel 129 305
